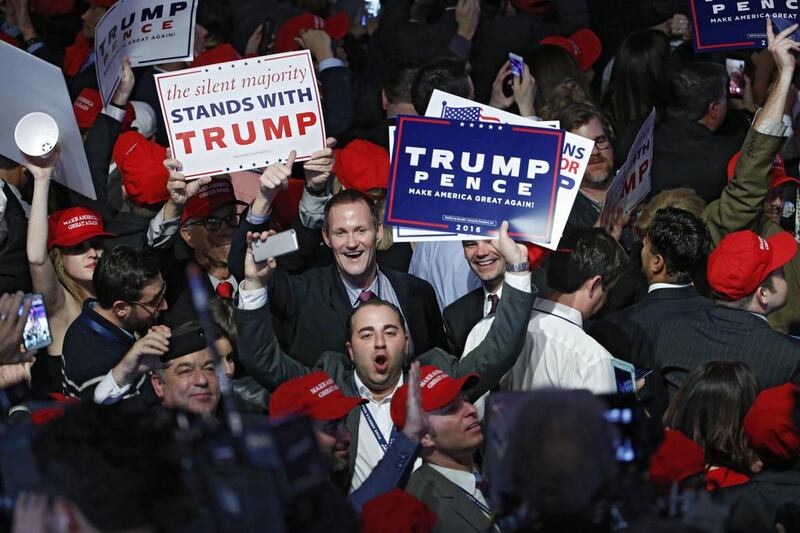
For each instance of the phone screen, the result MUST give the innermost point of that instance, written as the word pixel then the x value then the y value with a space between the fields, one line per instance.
pixel 36 334
pixel 517 64
pixel 735 69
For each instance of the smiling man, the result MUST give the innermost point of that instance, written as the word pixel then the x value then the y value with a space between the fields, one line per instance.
pixel 376 346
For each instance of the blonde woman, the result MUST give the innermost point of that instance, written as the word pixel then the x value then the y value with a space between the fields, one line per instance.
pixel 63 250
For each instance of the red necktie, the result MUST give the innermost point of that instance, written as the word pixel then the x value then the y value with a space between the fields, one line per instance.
pixel 225 290
pixel 366 295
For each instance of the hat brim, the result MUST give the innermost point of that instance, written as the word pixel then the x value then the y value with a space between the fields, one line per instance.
pixel 590 46
pixel 338 25
pixel 783 247
pixel 451 391
pixel 782 180
pixel 75 241
pixel 336 408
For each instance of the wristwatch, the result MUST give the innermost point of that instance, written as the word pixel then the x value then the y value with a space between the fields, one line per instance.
pixel 518 267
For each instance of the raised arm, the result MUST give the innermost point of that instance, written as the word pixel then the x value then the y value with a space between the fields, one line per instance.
pixel 43 274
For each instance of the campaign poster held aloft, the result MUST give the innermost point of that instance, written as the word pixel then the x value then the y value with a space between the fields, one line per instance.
pixel 244 114
pixel 632 183
pixel 467 177
pixel 147 32
pixel 733 24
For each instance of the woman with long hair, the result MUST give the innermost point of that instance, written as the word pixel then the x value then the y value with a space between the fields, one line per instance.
pixel 63 250
pixel 709 408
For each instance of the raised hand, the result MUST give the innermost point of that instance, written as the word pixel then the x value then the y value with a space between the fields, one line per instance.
pixel 511 251
pixel 12 324
pixel 781 46
pixel 144 356
pixel 318 169
pixel 417 424
pixel 257 274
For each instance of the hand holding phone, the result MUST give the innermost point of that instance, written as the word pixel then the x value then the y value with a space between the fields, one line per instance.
pixel 735 68
pixel 517 64
pixel 14 316
pixel 276 245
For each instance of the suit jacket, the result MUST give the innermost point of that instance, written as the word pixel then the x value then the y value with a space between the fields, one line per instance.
pixel 460 317
pixel 753 504
pixel 720 333
pixel 454 511
pixel 264 360
pixel 302 302
pixel 15 274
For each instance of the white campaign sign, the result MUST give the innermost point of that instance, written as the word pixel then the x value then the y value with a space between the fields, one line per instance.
pixel 147 32
pixel 40 86
pixel 575 158
pixel 632 183
pixel 244 114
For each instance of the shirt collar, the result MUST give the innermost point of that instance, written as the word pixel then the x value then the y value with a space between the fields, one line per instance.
pixel 656 286
pixel 364 392
pixel 570 314
pixel 460 478
pixel 354 292
pixel 762 317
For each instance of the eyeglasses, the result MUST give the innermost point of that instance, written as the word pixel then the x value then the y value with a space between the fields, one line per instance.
pixel 602 142
pixel 158 300
pixel 213 223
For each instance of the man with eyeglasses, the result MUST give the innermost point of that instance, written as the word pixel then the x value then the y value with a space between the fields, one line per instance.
pixel 112 344
pixel 586 120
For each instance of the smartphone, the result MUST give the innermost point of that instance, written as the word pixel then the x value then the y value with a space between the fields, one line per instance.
pixel 517 64
pixel 735 69
pixel 626 383
pixel 36 334
pixel 266 36
pixel 277 245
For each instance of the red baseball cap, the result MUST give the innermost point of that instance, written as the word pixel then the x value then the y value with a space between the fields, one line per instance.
pixel 314 395
pixel 584 45
pixel 777 175
pixel 219 54
pixel 70 227
pixel 676 458
pixel 53 7
pixel 437 389
pixel 533 6
pixel 396 511
pixel 363 166
pixel 743 260
pixel 208 199
pixel 336 26
pixel 141 164
pixel 88 105
pixel 769 425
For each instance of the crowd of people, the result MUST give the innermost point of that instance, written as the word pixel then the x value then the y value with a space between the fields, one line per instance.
pixel 641 377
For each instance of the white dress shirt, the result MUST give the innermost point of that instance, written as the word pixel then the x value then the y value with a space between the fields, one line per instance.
pixel 657 286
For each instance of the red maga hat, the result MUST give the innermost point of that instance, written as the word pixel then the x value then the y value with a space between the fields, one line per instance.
pixel 437 389
pixel 396 511
pixel 363 166
pixel 777 175
pixel 141 163
pixel 88 105
pixel 584 45
pixel 336 26
pixel 219 54
pixel 314 395
pixel 743 260
pixel 208 199
pixel 70 227
pixel 769 425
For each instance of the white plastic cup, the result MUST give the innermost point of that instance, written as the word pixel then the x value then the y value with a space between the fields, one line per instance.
pixel 36 134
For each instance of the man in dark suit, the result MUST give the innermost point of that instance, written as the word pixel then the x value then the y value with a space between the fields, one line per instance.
pixel 377 345
pixel 745 273
pixel 675 246
pixel 351 228
pixel 448 481
pixel 15 274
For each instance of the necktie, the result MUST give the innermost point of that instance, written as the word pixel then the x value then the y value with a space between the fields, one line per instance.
pixel 482 485
pixel 225 290
pixel 494 299
pixel 366 295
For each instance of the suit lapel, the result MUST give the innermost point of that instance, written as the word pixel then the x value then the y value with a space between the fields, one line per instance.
pixel 459 502
pixel 337 296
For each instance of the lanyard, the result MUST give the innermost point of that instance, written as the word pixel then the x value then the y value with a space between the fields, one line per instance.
pixel 477 502
pixel 376 432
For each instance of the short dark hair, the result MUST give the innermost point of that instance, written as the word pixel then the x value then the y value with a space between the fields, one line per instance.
pixel 682 240
pixel 576 115
pixel 594 253
pixel 216 17
pixel 694 87
pixel 92 447
pixel 449 75
pixel 399 79
pixel 374 302
pixel 7 163
pixel 353 196
pixel 122 273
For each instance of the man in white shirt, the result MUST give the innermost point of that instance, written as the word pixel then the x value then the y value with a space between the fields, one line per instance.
pixel 377 347
pixel 557 352
pixel 449 481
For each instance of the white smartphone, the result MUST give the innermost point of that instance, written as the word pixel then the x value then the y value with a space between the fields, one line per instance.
pixel 277 245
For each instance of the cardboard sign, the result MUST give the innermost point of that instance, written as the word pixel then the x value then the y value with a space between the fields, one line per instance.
pixel 632 183
pixel 734 24
pixel 445 105
pixel 575 159
pixel 467 177
pixel 244 114
pixel 148 32
pixel 42 88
